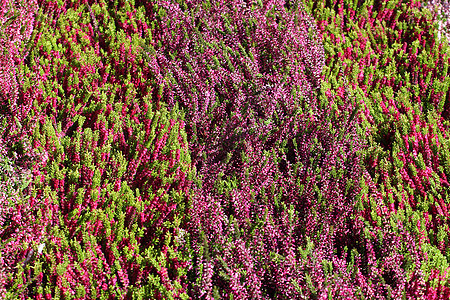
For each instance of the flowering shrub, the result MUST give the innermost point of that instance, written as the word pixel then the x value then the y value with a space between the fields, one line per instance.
pixel 223 150
pixel 16 157
pixel 112 192
pixel 442 13
pixel 403 94
pixel 16 20
pixel 276 171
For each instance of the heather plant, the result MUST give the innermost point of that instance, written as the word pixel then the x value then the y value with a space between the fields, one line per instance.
pixel 223 150
pixel 12 185
pixel 15 29
pixel 278 179
pixel 399 72
pixel 234 110
pixel 16 25
pixel 442 14
pixel 112 192
pixel 266 230
pixel 16 156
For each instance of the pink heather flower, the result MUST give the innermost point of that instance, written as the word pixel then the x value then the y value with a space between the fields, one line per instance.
pixel 441 10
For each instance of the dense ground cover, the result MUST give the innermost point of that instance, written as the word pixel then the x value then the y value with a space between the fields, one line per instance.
pixel 224 150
